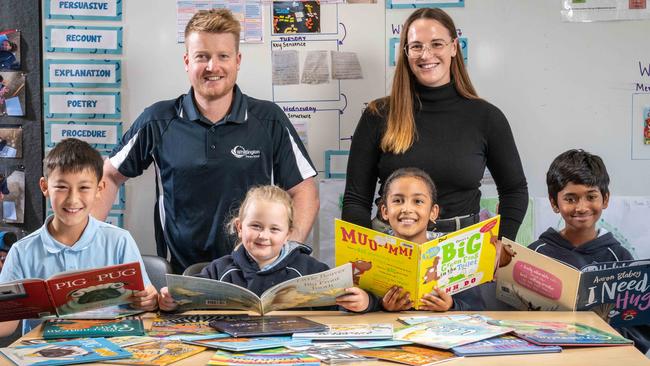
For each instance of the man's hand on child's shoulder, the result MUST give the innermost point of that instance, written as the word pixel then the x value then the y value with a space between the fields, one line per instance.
pixel 146 299
pixel 355 299
pixel 166 301
pixel 437 300
pixel 396 299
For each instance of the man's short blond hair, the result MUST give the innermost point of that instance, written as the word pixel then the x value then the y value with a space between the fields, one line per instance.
pixel 214 21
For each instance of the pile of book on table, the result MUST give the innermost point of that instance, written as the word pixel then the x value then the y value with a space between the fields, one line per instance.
pixel 292 340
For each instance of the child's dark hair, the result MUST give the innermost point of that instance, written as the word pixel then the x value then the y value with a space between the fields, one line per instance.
pixel 410 172
pixel 73 155
pixel 578 167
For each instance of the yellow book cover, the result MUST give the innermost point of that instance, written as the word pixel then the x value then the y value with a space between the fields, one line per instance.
pixel 453 262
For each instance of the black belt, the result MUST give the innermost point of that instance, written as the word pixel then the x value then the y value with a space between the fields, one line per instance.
pixel 454 223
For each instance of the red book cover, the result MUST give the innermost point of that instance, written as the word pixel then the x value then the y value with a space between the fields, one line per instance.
pixel 70 292
pixel 25 299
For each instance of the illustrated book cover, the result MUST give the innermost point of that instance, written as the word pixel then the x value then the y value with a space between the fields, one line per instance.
pixel 453 262
pixel 70 292
pixel 331 353
pixel 319 289
pixel 502 345
pixel 417 319
pixel 65 353
pixel 562 333
pixel 447 333
pixel 266 325
pixel 158 352
pixel 274 356
pixel 350 331
pixel 81 328
pixel 618 291
pixel 179 326
pixel 408 355
pixel 248 344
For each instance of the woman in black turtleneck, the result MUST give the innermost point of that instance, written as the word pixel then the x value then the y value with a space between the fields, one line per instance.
pixel 434 120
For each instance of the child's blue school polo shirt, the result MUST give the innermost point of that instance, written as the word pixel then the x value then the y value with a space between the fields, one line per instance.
pixel 39 255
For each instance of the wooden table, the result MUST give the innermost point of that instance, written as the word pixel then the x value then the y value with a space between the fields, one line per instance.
pixel 579 356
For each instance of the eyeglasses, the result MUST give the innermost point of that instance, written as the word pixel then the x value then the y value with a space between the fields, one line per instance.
pixel 417 49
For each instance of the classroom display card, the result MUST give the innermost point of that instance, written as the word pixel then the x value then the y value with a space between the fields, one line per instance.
pixel 83 73
pixel 618 291
pixel 12 93
pixel 319 289
pixel 11 142
pixel 296 17
pixel 103 136
pixel 562 334
pixel 453 262
pixel 158 352
pixel 65 353
pixel 446 333
pixel 70 292
pixel 10 49
pixel 248 326
pixel 86 328
pixel 99 105
pixel 351 331
pixel 76 39
pixel 502 345
pixel 84 9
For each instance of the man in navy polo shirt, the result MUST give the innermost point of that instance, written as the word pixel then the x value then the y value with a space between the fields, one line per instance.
pixel 209 147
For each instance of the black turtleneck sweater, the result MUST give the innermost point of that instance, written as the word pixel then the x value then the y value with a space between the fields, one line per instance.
pixel 456 139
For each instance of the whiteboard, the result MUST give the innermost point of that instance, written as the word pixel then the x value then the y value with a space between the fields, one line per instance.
pixel 561 85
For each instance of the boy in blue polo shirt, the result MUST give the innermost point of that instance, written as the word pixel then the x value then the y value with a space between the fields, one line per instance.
pixel 71 239
pixel 578 190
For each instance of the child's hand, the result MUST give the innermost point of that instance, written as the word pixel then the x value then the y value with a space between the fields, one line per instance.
pixel 441 301
pixel 396 299
pixel 146 299
pixel 355 299
pixel 165 300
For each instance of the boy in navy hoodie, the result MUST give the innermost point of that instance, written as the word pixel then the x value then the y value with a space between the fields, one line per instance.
pixel 578 190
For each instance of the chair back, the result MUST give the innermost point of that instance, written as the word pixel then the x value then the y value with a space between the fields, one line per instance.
pixel 195 268
pixel 156 268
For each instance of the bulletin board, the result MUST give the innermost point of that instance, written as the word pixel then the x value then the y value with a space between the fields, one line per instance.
pixel 21 121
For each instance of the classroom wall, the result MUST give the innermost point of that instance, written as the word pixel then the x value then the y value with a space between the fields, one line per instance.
pixel 561 85
pixel 23 15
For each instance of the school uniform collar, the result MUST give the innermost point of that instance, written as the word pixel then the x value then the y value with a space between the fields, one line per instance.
pixel 53 246
pixel 238 109
pixel 248 264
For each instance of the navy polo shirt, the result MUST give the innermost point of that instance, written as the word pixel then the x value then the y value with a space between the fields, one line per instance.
pixel 203 170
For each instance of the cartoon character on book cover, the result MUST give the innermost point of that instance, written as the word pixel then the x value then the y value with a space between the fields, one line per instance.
pixel 96 289
pixel 454 262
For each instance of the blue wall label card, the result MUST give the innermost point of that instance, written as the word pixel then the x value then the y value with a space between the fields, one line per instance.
pixel 84 9
pixel 83 73
pixel 97 40
pixel 82 105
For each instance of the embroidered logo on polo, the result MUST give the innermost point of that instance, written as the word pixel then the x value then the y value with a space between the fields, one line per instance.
pixel 241 152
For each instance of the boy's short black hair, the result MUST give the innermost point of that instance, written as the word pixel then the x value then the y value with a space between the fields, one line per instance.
pixel 578 167
pixel 73 155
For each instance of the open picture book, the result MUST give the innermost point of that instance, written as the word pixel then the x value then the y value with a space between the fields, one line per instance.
pixel 618 291
pixel 70 292
pixel 453 262
pixel 319 289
